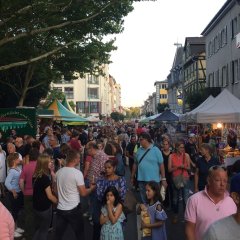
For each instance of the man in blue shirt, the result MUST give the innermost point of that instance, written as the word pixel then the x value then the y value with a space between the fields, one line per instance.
pixel 148 165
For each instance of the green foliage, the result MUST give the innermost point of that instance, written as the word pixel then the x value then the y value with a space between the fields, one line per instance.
pixel 133 112
pixel 116 116
pixel 148 114
pixel 72 105
pixel 41 41
pixel 161 107
pixel 193 100
pixel 54 94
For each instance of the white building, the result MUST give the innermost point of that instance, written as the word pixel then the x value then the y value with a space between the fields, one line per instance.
pixel 92 94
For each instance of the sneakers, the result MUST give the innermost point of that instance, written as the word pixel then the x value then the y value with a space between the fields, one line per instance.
pixel 19 230
pixel 17 235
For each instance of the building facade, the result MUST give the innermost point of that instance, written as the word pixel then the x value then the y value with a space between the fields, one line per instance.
pixel 161 91
pixel 175 83
pixel 92 94
pixel 194 65
pixel 222 53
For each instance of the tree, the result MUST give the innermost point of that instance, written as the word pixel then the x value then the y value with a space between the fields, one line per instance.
pixel 116 116
pixel 133 112
pixel 161 107
pixel 54 38
pixel 193 100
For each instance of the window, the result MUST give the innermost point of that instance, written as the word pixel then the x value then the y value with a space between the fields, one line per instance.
pixel 58 89
pixel 224 76
pixel 234 71
pixel 81 107
pixel 234 27
pixel 69 92
pixel 93 93
pixel 94 107
pixel 92 79
pixel 217 79
pixel 210 80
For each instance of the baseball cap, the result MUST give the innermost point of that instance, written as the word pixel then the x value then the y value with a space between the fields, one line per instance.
pixel 191 135
pixel 235 183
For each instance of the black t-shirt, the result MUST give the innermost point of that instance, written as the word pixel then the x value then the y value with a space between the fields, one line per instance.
pixel 191 149
pixel 130 148
pixel 40 199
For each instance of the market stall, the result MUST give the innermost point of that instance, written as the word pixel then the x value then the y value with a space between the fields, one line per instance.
pixel 62 114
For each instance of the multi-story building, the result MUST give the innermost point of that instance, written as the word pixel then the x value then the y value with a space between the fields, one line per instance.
pixel 222 53
pixel 92 94
pixel 161 91
pixel 175 87
pixel 194 65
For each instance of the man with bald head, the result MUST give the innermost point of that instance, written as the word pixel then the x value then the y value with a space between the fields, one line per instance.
pixel 209 205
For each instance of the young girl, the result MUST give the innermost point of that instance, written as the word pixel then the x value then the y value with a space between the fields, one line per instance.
pixel 111 216
pixel 156 213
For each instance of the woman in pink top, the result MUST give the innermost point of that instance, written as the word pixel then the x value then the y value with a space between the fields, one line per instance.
pixel 7 225
pixel 179 164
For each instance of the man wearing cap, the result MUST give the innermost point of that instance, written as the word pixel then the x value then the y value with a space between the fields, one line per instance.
pixel 209 205
pixel 229 227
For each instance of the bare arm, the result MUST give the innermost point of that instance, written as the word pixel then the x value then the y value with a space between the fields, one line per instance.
pixel 103 219
pixel 162 172
pixel 85 191
pixel 196 179
pixel 134 169
pixel 21 184
pixel 50 195
pixel 190 230
pixel 171 168
pixel 86 169
pixel 113 217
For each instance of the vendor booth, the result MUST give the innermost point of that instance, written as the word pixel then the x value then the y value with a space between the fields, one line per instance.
pixel 64 115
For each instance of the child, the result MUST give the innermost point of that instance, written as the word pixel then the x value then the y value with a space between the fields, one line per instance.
pixel 155 212
pixel 111 216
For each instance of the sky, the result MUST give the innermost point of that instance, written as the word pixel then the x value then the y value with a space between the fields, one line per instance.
pixel 146 48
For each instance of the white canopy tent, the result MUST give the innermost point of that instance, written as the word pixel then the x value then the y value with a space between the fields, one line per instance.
pixel 225 108
pixel 190 116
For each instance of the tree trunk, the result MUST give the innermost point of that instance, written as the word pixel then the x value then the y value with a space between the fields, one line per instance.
pixel 27 80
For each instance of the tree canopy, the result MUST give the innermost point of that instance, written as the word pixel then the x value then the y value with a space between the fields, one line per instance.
pixel 43 40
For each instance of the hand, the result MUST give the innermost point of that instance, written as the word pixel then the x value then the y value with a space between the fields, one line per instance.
pixel 164 183
pixel 143 207
pixel 15 195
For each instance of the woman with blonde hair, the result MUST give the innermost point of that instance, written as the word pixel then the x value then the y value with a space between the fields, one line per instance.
pixel 42 196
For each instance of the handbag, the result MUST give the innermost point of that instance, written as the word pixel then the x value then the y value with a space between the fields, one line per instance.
pixel 130 202
pixel 180 181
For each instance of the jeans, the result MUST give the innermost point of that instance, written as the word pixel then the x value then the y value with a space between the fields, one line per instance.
pixel 184 193
pixel 142 190
pixel 29 217
pixel 96 205
pixel 16 204
pixel 43 220
pixel 74 218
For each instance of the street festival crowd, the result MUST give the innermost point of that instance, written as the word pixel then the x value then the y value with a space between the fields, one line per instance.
pixel 53 173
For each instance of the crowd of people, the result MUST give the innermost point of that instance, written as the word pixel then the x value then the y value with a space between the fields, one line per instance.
pixel 63 166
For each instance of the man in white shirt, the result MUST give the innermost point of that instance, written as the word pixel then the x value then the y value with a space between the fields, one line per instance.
pixel 70 186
